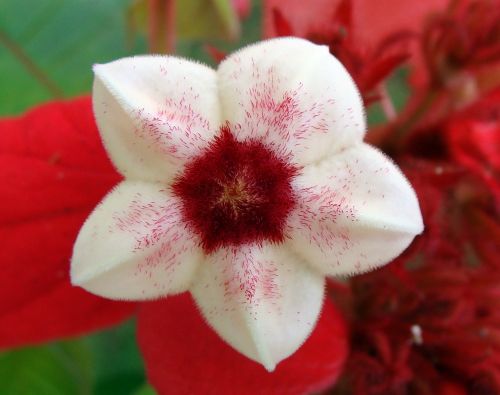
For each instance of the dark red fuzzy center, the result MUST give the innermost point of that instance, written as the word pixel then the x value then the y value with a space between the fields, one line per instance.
pixel 236 193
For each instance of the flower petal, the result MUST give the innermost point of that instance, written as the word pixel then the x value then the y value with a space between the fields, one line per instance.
pixel 356 211
pixel 261 299
pixel 135 246
pixel 184 356
pixel 294 96
pixel 154 112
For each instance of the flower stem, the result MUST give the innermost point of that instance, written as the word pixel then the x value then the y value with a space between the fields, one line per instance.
pixel 161 23
pixel 401 131
pixel 386 102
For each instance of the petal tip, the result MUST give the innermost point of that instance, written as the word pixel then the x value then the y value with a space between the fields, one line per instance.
pixel 76 277
pixel 73 280
pixel 96 68
pixel 420 226
pixel 270 367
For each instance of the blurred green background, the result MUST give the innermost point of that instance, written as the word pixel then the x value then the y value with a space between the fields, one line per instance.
pixel 47 47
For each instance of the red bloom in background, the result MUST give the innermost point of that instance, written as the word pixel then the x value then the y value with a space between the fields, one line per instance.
pixel 473 138
pixel 368 65
pixel 415 329
pixel 358 32
pixel 429 323
pixel 54 171
pixel 462 42
pixel 454 167
pixel 372 20
pixel 453 48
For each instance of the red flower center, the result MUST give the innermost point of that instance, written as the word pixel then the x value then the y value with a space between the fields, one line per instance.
pixel 236 193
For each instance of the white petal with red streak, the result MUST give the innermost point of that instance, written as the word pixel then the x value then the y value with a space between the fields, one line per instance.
pixel 134 245
pixel 356 211
pixel 294 95
pixel 262 300
pixel 154 113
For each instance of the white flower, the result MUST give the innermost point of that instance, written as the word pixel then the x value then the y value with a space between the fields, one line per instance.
pixel 245 186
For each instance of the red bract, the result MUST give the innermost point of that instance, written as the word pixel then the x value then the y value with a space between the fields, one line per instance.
pixel 54 170
pixel 184 356
pixel 368 65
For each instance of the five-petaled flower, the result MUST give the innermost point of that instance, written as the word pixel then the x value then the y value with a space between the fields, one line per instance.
pixel 245 186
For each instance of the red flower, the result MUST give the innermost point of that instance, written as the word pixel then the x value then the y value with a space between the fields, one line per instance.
pixel 428 323
pixel 464 38
pixel 365 36
pixel 368 65
pixel 473 138
pixel 455 168
pixel 416 329
pixel 54 171
pixel 372 20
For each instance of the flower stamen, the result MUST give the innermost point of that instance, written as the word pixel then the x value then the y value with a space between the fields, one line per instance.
pixel 236 192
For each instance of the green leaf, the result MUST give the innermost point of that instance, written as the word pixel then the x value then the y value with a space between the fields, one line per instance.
pixel 398 87
pixel 118 364
pixel 251 32
pixel 192 19
pixel 47 47
pixel 399 92
pixel 145 390
pixel 56 369
pixel 105 363
pixel 206 19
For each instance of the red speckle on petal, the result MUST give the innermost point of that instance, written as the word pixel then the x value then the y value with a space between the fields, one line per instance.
pixel 236 193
